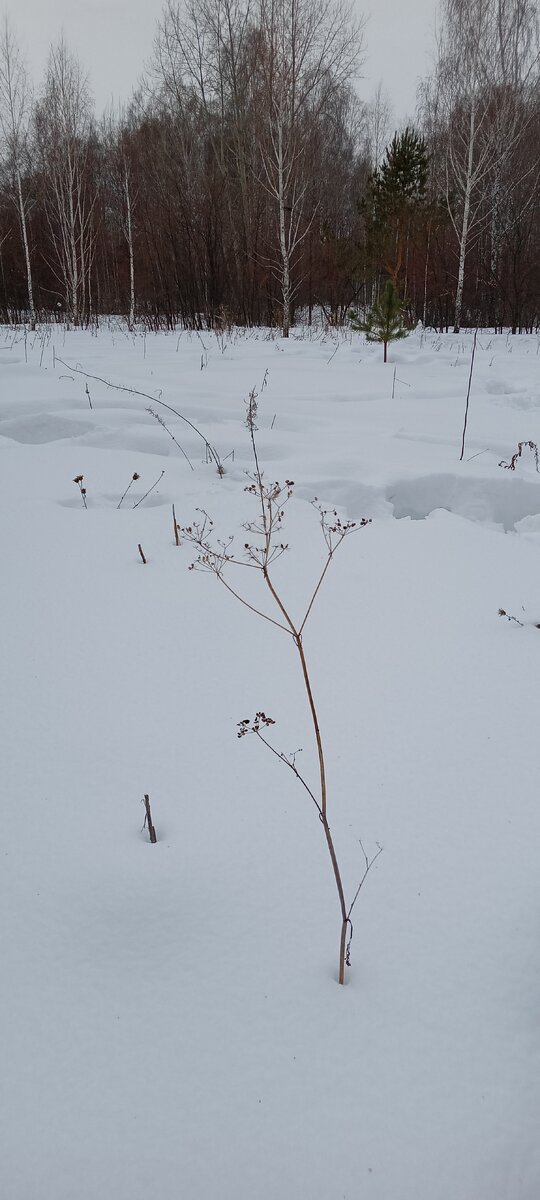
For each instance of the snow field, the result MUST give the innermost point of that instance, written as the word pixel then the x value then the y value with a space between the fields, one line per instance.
pixel 171 1024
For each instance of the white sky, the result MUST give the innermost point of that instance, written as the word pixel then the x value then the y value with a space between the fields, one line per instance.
pixel 113 38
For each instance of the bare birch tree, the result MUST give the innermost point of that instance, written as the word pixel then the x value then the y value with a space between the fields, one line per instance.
pixel 15 113
pixel 203 57
pixel 65 128
pixel 515 59
pixel 484 63
pixel 122 187
pixel 378 117
pixel 308 50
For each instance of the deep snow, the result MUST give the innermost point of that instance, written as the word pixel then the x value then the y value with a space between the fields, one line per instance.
pixel 171 1025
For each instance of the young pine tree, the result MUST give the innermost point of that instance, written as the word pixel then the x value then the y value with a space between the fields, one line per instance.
pixel 395 203
pixel 384 322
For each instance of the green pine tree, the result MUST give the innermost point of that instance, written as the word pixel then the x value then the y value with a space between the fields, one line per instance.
pixel 395 201
pixel 384 322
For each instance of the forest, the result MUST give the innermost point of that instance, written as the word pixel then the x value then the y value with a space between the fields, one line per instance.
pixel 246 183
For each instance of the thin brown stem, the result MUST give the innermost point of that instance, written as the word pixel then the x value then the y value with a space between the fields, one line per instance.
pixel 369 864
pixel 315 720
pixel 251 607
pixel 283 758
pixel 315 593
pixel 149 490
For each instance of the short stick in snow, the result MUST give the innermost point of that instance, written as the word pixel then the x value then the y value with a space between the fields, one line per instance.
pixel 264 545
pixel 176 527
pixel 141 552
pixel 148 820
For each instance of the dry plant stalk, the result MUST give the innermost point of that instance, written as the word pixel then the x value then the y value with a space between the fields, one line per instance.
pixel 516 621
pixel 260 553
pixel 150 489
pixel 141 552
pixel 133 480
pixel 79 481
pixel 120 387
pixel 160 421
pixel 511 466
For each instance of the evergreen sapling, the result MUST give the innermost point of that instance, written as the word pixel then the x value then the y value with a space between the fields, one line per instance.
pixel 384 322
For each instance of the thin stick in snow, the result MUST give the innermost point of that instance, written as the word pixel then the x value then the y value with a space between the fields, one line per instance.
pixel 148 820
pixel 468 395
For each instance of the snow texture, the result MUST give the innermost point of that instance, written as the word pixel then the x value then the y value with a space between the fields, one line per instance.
pixel 171 1025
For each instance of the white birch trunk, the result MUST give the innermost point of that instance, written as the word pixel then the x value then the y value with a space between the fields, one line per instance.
pixel 24 231
pixel 129 238
pixel 284 250
pixel 465 224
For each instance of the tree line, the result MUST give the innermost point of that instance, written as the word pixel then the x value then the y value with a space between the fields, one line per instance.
pixel 246 183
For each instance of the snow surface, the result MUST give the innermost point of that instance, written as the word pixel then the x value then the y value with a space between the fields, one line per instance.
pixel 171 1025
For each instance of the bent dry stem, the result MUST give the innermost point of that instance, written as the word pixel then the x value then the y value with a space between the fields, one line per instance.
pixel 262 549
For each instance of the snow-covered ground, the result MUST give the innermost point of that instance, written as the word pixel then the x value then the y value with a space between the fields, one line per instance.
pixel 171 1025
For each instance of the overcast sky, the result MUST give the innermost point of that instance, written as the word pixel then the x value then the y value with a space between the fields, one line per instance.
pixel 113 38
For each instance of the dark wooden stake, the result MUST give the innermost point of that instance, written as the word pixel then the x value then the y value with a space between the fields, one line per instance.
pixel 175 527
pixel 148 820
pixel 141 552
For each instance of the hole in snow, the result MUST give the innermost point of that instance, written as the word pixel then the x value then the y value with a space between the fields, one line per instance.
pixel 110 500
pixel 503 501
pixel 36 430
